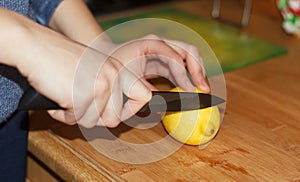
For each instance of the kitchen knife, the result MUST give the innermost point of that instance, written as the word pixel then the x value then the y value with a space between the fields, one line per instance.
pixel 162 101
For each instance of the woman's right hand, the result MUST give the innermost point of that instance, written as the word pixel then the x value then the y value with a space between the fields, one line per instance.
pixel 87 84
pixel 97 92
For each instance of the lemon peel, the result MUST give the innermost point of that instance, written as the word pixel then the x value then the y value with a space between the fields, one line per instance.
pixel 195 127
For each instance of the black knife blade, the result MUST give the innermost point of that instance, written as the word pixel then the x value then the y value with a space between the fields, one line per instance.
pixel 162 101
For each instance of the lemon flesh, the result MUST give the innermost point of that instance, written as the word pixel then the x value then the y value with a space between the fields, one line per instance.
pixel 193 127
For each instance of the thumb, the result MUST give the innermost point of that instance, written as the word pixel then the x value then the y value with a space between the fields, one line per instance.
pixel 66 117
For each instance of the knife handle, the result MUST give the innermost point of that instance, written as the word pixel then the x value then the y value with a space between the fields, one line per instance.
pixel 32 100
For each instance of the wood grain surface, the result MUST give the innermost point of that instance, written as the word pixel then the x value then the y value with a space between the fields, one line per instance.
pixel 258 140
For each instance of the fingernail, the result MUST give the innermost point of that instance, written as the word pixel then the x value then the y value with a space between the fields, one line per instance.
pixel 204 86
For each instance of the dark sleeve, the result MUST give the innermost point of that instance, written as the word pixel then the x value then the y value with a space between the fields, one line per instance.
pixel 42 10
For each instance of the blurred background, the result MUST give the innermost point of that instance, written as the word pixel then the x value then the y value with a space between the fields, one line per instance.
pixel 107 6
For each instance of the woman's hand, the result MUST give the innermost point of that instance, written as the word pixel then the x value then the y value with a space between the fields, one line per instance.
pixel 97 92
pixel 153 56
pixel 87 84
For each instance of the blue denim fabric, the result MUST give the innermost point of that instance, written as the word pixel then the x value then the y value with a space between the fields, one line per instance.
pixel 41 11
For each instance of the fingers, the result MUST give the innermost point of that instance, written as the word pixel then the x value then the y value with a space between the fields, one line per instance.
pixel 138 95
pixel 111 114
pixel 63 116
pixel 104 105
pixel 194 63
pixel 193 60
pixel 104 108
pixel 149 85
pixel 175 54
pixel 198 75
pixel 91 117
pixel 167 55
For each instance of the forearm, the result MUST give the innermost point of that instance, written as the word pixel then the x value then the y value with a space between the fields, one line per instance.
pixel 12 37
pixel 73 19
pixel 30 47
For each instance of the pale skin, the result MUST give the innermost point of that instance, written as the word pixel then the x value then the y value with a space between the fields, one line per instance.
pixel 50 60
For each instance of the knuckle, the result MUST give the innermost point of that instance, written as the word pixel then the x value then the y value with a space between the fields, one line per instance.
pixel 192 49
pixel 103 86
pixel 70 123
pixel 88 124
pixel 112 124
pixel 151 36
pixel 114 68
pixel 110 120
pixel 148 96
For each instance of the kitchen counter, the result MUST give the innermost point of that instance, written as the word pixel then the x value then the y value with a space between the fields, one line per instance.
pixel 258 140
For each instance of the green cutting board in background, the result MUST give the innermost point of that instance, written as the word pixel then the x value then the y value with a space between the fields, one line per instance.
pixel 234 49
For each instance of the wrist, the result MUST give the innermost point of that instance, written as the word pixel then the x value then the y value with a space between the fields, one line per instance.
pixel 12 37
pixel 86 28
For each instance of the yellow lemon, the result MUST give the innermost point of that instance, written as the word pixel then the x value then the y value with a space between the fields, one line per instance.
pixel 194 127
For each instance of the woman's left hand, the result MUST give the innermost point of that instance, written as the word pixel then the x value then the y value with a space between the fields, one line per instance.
pixel 152 56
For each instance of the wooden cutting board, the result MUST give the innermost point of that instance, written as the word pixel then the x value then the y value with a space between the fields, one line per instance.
pixel 258 141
